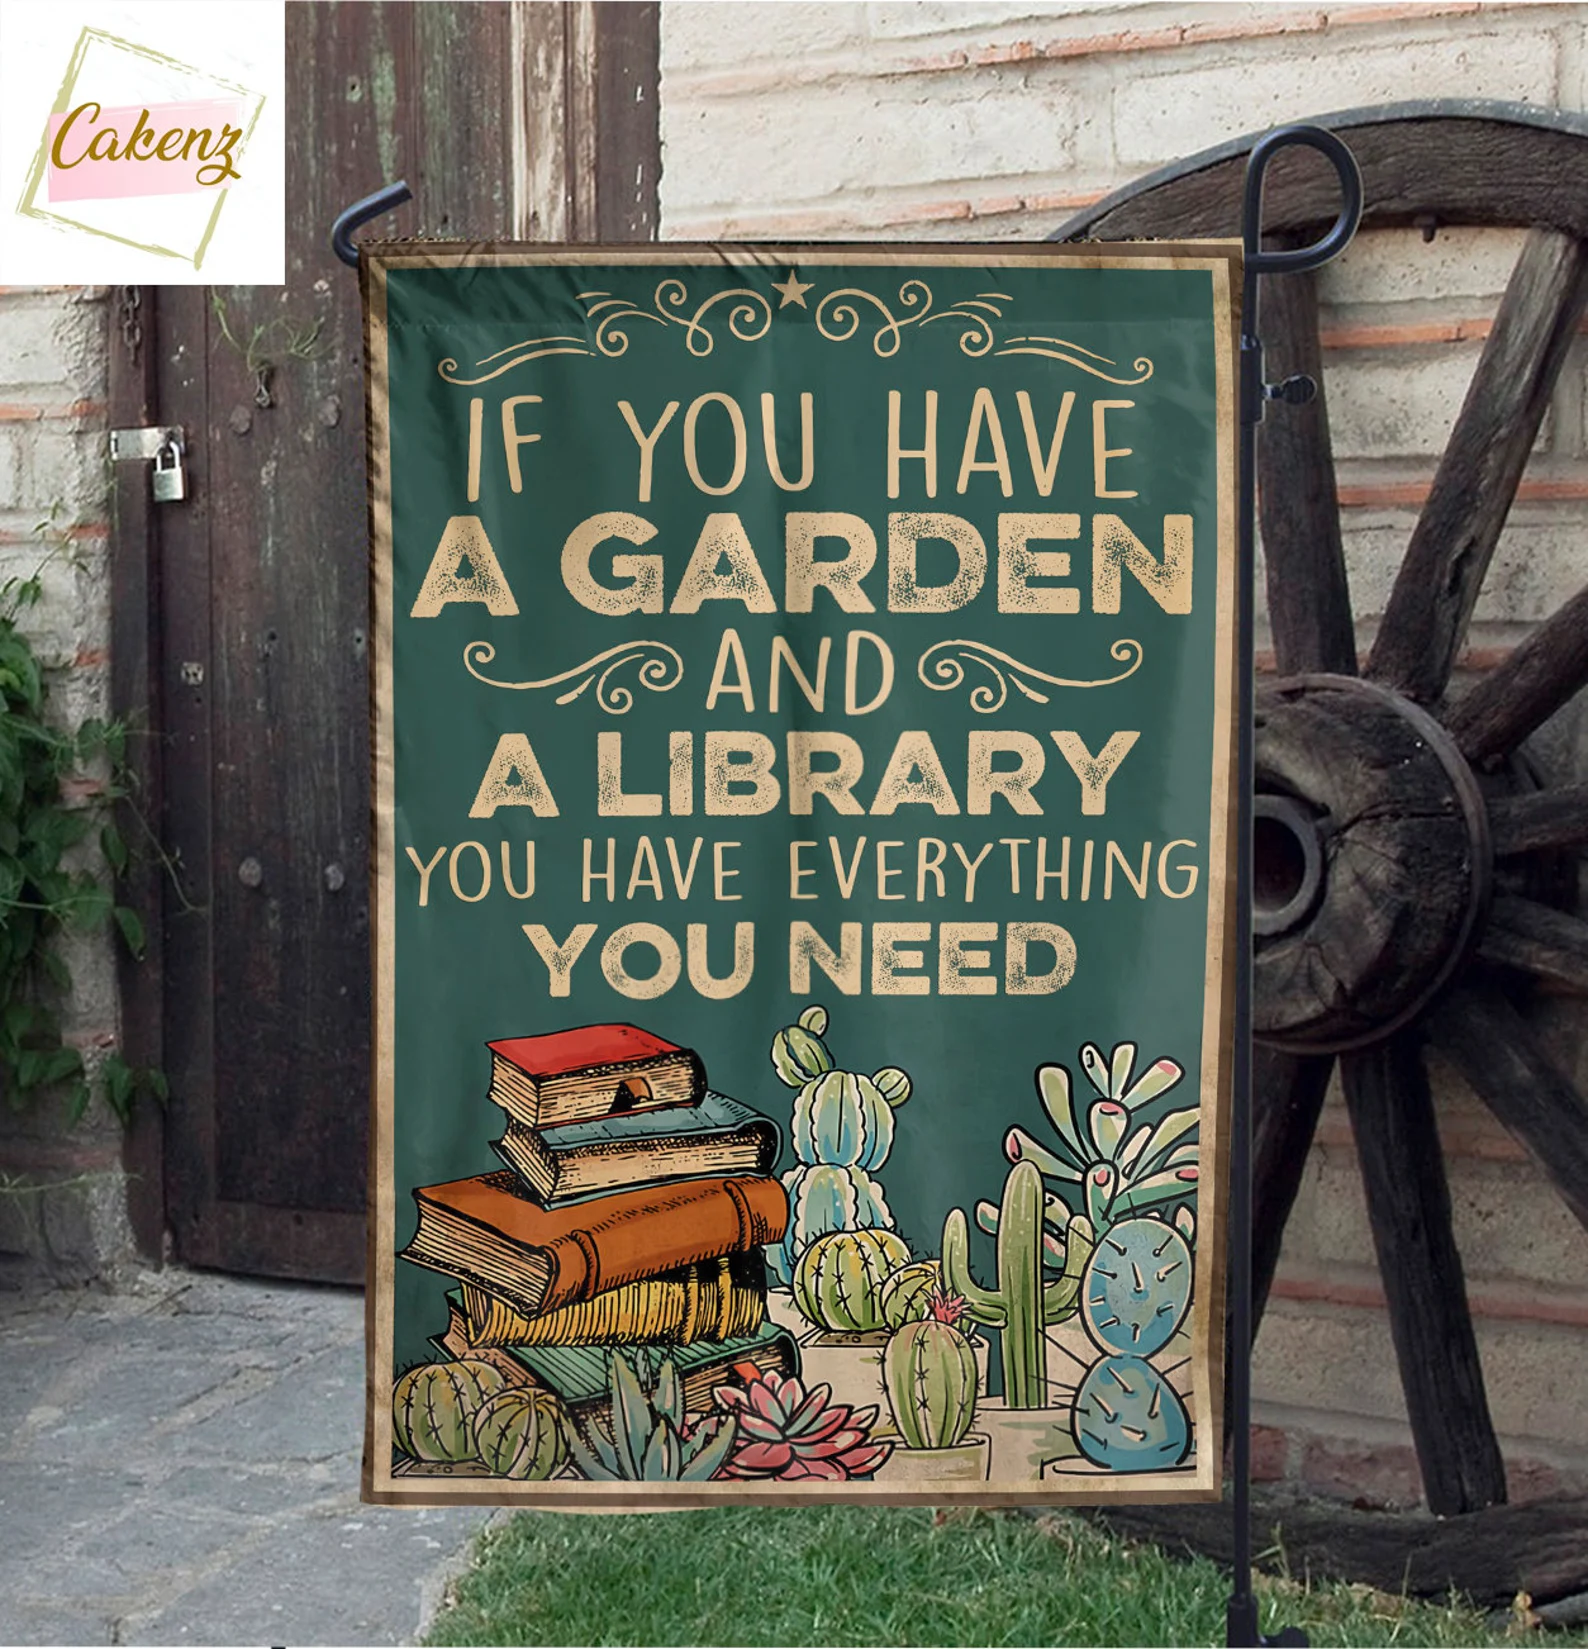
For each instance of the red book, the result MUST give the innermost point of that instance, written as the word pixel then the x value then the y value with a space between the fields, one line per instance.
pixel 594 1071
pixel 490 1232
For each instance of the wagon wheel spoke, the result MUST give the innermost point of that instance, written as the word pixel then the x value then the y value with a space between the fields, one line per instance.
pixel 1495 1049
pixel 1408 1202
pixel 1539 940
pixel 1309 601
pixel 1540 819
pixel 1523 692
pixel 1287 1094
pixel 1460 523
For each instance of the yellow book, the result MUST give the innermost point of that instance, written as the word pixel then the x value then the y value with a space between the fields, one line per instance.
pixel 718 1299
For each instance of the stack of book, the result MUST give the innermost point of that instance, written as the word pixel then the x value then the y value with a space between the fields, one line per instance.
pixel 633 1210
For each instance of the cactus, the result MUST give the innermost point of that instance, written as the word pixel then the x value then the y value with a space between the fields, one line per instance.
pixel 1129 1418
pixel 929 1373
pixel 907 1293
pixel 649 1439
pixel 522 1433
pixel 838 1282
pixel 433 1408
pixel 842 1128
pixel 1102 1167
pixel 1023 1302
pixel 1136 1288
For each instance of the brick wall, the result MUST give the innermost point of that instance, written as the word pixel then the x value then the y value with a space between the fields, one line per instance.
pixel 995 121
pixel 62 1191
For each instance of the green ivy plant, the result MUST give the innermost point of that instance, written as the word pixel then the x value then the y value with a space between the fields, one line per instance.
pixel 43 893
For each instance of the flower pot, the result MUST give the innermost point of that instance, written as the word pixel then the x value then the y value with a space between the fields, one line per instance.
pixel 966 1462
pixel 1023 1440
pixel 850 1363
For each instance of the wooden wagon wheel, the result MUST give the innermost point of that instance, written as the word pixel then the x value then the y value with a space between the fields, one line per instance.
pixel 1402 852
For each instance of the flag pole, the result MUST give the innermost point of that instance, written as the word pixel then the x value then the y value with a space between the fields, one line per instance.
pixel 1241 1624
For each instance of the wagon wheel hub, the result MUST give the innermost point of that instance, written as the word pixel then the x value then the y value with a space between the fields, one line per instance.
pixel 1372 862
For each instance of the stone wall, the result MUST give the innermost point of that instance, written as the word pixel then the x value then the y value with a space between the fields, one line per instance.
pixel 998 121
pixel 63 1203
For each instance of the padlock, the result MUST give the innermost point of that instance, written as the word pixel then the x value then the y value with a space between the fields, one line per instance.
pixel 170 479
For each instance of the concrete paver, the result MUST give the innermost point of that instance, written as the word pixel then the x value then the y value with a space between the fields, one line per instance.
pixel 179 1464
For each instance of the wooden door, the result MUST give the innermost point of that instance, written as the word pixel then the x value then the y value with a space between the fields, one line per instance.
pixel 242 613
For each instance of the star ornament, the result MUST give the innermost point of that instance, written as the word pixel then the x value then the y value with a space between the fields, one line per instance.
pixel 792 290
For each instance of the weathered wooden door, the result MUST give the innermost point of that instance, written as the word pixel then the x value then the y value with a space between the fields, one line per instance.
pixel 242 612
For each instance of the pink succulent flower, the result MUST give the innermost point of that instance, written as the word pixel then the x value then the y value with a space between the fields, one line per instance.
pixel 787 1433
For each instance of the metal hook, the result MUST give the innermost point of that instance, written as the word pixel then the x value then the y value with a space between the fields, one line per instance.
pixel 1293 261
pixel 360 213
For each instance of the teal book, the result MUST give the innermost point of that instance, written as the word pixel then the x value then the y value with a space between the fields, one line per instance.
pixel 582 1375
pixel 574 1160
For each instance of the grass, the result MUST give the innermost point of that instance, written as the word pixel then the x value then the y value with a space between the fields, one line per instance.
pixel 888 1576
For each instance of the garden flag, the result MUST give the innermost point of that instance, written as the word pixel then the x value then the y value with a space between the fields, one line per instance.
pixel 803 761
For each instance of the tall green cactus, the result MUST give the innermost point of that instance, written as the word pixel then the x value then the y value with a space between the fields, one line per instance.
pixel 1022 1304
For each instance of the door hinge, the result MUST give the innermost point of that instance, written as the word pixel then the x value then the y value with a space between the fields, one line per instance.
pixel 164 446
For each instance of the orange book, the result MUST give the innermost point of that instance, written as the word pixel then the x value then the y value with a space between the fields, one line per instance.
pixel 491 1232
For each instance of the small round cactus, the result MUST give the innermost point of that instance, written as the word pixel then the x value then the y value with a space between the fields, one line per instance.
pixel 433 1408
pixel 522 1433
pixel 838 1281
pixel 1137 1287
pixel 929 1374
pixel 907 1294
pixel 1129 1418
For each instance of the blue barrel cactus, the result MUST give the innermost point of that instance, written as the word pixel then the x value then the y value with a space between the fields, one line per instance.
pixel 842 1128
pixel 1135 1293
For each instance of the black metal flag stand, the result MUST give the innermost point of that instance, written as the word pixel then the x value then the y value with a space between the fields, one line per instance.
pixel 1240 1626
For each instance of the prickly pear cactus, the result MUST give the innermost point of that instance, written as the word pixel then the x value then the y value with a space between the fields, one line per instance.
pixel 1128 1417
pixel 522 1433
pixel 842 1128
pixel 433 1408
pixel 929 1374
pixel 838 1282
pixel 1137 1287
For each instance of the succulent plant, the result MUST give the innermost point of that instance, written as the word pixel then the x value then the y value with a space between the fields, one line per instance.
pixel 929 1374
pixel 650 1439
pixel 523 1433
pixel 1102 1166
pixel 790 1434
pixel 433 1408
pixel 1023 1301
pixel 842 1128
pixel 1136 1289
pixel 839 1279
pixel 1129 1418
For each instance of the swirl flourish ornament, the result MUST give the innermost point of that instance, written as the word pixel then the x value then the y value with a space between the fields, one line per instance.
pixel 942 671
pixel 610 338
pixel 838 319
pixel 531 349
pixel 660 669
pixel 1060 349
pixel 748 319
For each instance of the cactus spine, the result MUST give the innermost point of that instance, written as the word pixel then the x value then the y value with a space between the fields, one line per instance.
pixel 1022 1303
pixel 929 1372
pixel 433 1408
pixel 838 1282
